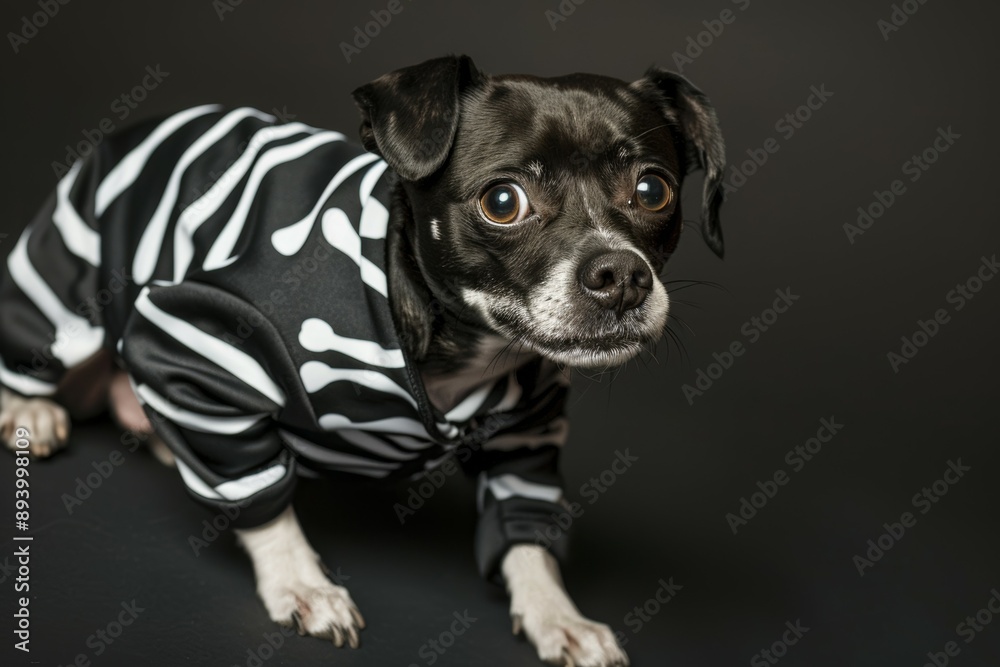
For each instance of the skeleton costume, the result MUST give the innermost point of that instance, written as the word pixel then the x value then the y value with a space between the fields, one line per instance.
pixel 235 266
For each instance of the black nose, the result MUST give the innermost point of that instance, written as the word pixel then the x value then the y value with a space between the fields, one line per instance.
pixel 618 280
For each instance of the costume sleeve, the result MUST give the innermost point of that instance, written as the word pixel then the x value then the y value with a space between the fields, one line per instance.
pixel 520 494
pixel 211 372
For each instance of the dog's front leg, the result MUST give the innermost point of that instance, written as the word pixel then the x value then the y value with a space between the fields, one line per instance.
pixel 540 606
pixel 293 586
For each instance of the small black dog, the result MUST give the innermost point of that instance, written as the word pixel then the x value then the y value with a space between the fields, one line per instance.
pixel 277 301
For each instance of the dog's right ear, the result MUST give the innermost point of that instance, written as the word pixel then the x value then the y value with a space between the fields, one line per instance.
pixel 410 116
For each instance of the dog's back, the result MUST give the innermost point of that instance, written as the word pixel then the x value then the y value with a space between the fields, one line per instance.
pixel 162 202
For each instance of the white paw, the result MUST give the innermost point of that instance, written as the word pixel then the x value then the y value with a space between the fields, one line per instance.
pixel 321 609
pixel 569 639
pixel 47 423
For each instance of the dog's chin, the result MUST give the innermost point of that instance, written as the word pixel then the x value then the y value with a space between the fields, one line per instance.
pixel 611 344
pixel 598 352
pixel 602 357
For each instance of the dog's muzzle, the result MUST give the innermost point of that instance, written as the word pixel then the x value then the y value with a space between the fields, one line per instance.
pixel 618 280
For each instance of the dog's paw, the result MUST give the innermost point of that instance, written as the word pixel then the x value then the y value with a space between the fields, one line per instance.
pixel 321 610
pixel 46 422
pixel 563 638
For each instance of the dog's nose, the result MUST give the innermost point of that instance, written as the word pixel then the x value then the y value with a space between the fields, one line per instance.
pixel 618 280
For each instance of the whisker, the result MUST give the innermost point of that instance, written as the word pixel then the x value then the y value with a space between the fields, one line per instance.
pixel 681 322
pixel 496 357
pixel 672 336
pixel 691 282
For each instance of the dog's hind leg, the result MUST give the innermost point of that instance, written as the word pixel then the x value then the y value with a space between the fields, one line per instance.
pixel 81 394
pixel 85 391
pixel 128 412
pixel 50 319
pixel 46 421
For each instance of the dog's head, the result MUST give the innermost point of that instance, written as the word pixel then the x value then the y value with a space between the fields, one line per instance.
pixel 543 210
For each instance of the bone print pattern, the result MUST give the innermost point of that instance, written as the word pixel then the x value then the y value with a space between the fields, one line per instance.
pixel 245 263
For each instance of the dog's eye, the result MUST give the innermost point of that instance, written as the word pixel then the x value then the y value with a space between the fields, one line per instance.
pixel 652 192
pixel 504 203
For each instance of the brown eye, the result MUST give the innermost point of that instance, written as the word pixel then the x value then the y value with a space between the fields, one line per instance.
pixel 652 192
pixel 504 203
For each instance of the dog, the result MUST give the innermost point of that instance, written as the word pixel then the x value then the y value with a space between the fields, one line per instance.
pixel 269 299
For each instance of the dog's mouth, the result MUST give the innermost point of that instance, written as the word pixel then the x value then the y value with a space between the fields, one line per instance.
pixel 577 336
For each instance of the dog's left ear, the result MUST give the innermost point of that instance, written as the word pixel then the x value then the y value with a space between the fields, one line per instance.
pixel 409 116
pixel 689 110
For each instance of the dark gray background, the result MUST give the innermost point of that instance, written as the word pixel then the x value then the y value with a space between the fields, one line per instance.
pixel 665 517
